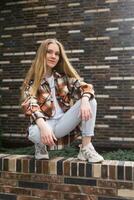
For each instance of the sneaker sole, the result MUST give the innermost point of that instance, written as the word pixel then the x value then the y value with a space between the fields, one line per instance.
pixel 42 157
pixel 79 157
pixel 89 160
pixel 95 161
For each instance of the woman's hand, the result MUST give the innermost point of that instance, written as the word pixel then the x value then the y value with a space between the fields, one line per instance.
pixel 85 109
pixel 47 135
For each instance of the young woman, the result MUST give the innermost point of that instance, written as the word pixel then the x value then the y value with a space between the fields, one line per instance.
pixel 57 100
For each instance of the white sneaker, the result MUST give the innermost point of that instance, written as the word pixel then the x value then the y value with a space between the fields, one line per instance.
pixel 89 153
pixel 41 151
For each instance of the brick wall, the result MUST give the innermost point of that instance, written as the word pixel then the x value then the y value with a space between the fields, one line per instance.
pixel 99 40
pixel 24 178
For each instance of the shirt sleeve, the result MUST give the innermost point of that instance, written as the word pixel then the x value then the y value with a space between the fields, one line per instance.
pixel 79 88
pixel 30 105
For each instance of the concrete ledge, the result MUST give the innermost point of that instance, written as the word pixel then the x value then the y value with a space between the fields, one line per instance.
pixel 24 178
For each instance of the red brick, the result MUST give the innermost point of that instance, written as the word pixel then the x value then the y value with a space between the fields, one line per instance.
pixel 70 196
pixel 46 194
pixel 22 197
pixel 46 178
pixel 112 171
pixel 125 185
pixel 25 165
pixel 38 165
pixel 14 190
pixel 106 183
pixel 65 188
pixel 8 182
pixel 66 168
pixel 99 191
pixel 45 167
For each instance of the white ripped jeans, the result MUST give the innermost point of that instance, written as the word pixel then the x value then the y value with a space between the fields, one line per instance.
pixel 64 125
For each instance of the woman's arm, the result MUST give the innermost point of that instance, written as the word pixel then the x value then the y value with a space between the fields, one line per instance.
pixel 81 88
pixel 32 109
pixel 84 91
pixel 30 105
pixel 47 135
pixel 85 109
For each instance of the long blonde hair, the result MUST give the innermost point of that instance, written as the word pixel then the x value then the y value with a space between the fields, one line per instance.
pixel 38 68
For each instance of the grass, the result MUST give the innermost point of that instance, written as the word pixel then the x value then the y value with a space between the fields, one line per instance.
pixel 123 155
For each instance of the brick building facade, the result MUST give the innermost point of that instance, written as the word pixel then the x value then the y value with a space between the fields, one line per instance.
pixel 99 40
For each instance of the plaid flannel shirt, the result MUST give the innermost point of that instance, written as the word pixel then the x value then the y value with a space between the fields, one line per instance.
pixel 68 91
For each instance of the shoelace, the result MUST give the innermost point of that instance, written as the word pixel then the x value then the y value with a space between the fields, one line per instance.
pixel 41 149
pixel 89 153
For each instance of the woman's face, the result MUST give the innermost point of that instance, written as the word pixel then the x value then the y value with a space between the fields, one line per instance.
pixel 52 55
